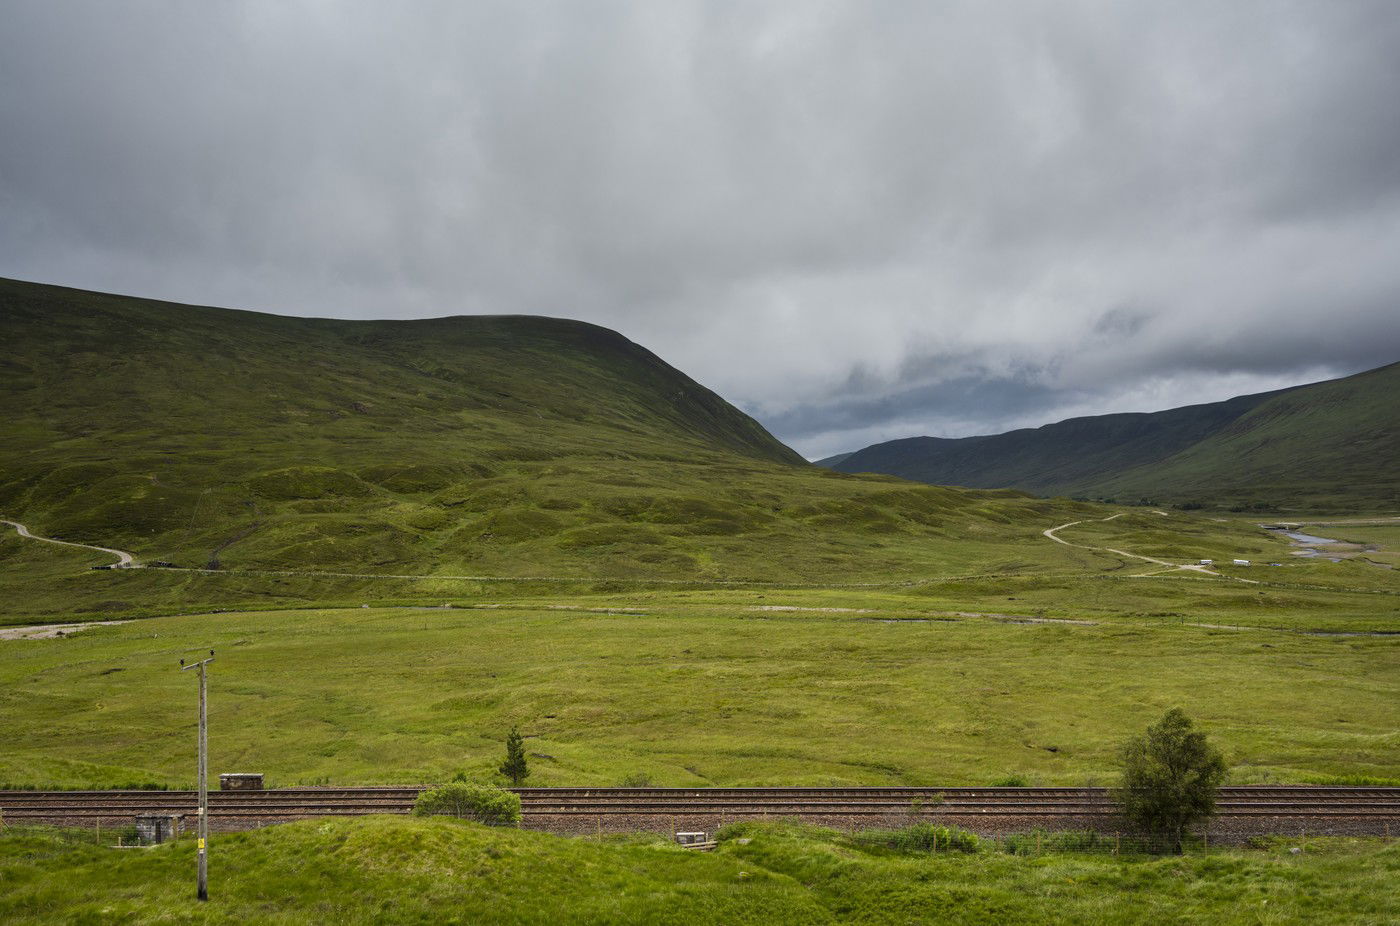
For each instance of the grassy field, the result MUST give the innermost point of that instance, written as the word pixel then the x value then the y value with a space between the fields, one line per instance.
pixel 815 528
pixel 743 687
pixel 976 559
pixel 938 679
pixel 404 870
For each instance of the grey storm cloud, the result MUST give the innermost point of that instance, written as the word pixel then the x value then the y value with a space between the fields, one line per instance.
pixel 858 220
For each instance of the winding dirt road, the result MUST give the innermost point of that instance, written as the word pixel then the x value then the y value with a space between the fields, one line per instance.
pixel 1189 567
pixel 125 560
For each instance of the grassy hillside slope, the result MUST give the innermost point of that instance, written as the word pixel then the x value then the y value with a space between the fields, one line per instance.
pixel 499 446
pixel 1325 445
pixel 1331 445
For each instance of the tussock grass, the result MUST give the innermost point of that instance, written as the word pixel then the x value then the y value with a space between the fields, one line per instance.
pixel 406 870
pixel 687 688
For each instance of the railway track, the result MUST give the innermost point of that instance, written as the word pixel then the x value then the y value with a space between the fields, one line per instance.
pixel 1241 810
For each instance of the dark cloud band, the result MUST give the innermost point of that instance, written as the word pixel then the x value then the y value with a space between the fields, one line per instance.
pixel 853 218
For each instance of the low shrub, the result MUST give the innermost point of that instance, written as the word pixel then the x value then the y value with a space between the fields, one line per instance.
pixel 922 837
pixel 1009 781
pixel 918 804
pixel 482 803
pixel 1038 841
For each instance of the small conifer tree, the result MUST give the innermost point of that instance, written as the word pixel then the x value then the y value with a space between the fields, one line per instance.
pixel 515 768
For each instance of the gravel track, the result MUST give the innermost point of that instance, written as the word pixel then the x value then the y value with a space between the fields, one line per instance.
pixel 1052 534
pixel 125 560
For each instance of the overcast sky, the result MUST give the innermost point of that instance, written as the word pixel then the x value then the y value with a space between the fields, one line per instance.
pixel 857 220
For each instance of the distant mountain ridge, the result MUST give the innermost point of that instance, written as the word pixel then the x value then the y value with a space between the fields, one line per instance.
pixel 1330 444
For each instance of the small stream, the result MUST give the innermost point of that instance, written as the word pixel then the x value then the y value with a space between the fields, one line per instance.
pixel 1308 542
pixel 1308 539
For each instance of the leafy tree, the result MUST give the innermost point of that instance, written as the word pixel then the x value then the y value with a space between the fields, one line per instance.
pixel 482 803
pixel 1170 778
pixel 515 767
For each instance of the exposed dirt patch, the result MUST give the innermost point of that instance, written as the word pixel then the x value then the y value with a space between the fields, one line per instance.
pixel 50 631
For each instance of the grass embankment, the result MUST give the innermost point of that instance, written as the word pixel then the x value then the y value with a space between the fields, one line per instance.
pixel 689 690
pixel 385 870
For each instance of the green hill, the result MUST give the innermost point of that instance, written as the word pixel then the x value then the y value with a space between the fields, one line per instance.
pixel 1328 445
pixel 492 446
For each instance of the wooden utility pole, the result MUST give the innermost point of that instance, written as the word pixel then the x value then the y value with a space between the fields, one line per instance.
pixel 202 878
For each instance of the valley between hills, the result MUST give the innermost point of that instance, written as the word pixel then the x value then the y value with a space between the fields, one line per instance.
pixel 754 464
pixel 405 537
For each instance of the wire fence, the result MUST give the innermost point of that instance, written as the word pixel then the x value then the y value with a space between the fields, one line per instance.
pixel 933 838
pixel 96 835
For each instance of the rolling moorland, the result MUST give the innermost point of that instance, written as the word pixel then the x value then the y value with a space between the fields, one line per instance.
pixel 496 447
pixel 645 590
pixel 404 538
pixel 1327 446
pixel 692 689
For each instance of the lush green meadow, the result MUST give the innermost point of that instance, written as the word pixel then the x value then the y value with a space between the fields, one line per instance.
pixel 996 561
pixel 802 526
pixel 1037 666
pixel 688 688
pixel 406 870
